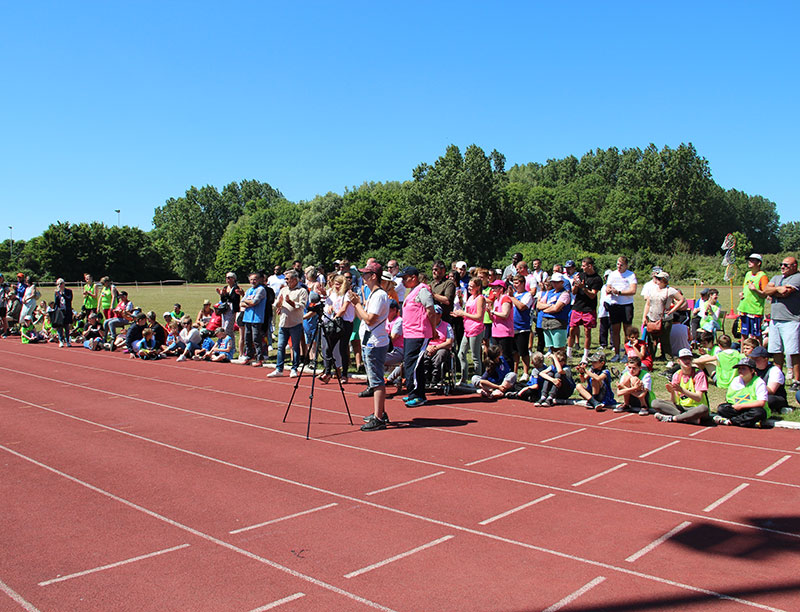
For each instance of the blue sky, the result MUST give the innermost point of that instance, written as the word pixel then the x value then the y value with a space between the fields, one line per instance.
pixel 122 105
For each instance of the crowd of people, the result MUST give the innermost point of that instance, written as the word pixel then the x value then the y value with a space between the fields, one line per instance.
pixel 500 333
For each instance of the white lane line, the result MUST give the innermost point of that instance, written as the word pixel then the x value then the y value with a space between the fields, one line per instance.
pixel 569 433
pixel 765 471
pixel 408 553
pixel 703 430
pixel 202 535
pixel 726 497
pixel 284 518
pixel 516 450
pixel 399 512
pixel 624 416
pixel 581 591
pixel 402 484
pixel 608 471
pixel 658 542
pixel 278 602
pixel 517 509
pixel 17 598
pixel 660 448
pixel 112 565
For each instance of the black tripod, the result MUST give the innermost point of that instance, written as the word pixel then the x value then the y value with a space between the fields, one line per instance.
pixel 317 337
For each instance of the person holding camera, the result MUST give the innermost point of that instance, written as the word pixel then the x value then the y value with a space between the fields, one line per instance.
pixel 229 297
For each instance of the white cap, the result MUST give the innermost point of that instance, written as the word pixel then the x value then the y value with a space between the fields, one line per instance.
pixel 684 352
pixel 755 256
pixel 557 277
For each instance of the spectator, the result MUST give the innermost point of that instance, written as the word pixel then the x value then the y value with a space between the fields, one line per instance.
pixel 511 269
pixel 90 294
pixel 501 311
pixel 135 333
pixel 773 376
pixel 118 317
pixel 585 289
pixel 63 302
pixel 29 299
pixel 472 314
pixel 659 310
pixel 634 389
pixel 337 326
pixel 784 326
pixel 418 317
pixel 229 297
pixel 621 287
pixel 107 295
pixel 688 394
pixel 752 298
pixel 4 290
pixel 204 314
pixel 190 338
pixel 28 333
pixel 497 378
pixel 253 318
pixel 746 399
pixel 554 306
pixel 557 383
pixel 595 383
pixel 93 333
pixel 522 301
pixel 291 302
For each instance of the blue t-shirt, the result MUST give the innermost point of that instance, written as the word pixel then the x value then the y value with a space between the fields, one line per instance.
pixel 255 314
pixel 606 394
pixel 499 373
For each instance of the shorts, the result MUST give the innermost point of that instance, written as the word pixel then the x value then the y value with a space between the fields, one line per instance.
pixel 587 319
pixel 521 340
pixel 620 313
pixel 750 326
pixel 784 337
pixel 374 364
pixel 555 338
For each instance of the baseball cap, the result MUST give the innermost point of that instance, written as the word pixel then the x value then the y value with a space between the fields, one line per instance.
pixel 656 269
pixel 662 274
pixel 557 277
pixel 569 264
pixel 704 291
pixel 597 356
pixel 497 283
pixel 746 362
pixel 373 267
pixel 684 352
pixel 759 351
pixel 167 314
pixel 461 264
pixel 206 302
pixel 408 271
pixel 755 256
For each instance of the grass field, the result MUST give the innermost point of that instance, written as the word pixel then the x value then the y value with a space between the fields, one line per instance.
pixel 162 298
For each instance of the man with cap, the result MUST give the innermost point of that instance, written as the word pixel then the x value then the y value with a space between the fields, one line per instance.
pixel 418 319
pixel 784 326
pixel 746 399
pixel 570 275
pixel 688 391
pixel 773 376
pixel 752 298
pixel 135 331
pixel 511 269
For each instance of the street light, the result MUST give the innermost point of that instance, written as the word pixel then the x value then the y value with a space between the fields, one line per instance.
pixel 116 210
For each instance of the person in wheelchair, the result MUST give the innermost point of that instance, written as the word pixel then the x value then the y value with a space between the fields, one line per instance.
pixel 437 357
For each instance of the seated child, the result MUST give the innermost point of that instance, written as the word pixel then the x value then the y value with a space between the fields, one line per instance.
pixel 174 344
pixel 177 314
pixel 92 335
pixel 497 376
pixel 710 313
pixel 717 361
pixel 774 378
pixel 748 344
pixel 634 389
pixel 532 391
pixel 146 348
pixel 222 350
pixel 746 404
pixel 28 333
pixel 688 398
pixel 635 346
pixel 557 383
pixel 595 383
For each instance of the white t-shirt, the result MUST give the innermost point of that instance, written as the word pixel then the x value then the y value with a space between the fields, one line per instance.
pixel 648 288
pixel 775 375
pixel 378 303
pixel 400 288
pixel 737 384
pixel 602 303
pixel 621 281
pixel 276 282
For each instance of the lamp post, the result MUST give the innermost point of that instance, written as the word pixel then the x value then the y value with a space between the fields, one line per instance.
pixel 116 210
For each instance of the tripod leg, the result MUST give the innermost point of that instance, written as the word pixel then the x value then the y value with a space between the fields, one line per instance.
pixel 344 399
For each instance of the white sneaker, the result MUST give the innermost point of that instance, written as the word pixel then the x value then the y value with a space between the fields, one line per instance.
pixel 293 374
pixel 523 378
pixel 181 358
pixel 275 373
pixel 60 345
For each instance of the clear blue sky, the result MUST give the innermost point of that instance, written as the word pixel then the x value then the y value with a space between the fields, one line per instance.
pixel 113 104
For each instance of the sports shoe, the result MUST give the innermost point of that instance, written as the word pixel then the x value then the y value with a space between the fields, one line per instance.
pixel 372 416
pixel 644 412
pixel 406 398
pixel 666 418
pixel 181 358
pixel 256 364
pixel 614 359
pixel 196 358
pixel 373 424
pixel 275 374
pixel 512 395
pixel 242 361
pixel 293 374
pixel 548 401
pixel 368 392
pixel 414 403
pixel 795 386
pixel 620 408
pixel 600 407
pixel 60 345
pixel 523 377
pixel 721 420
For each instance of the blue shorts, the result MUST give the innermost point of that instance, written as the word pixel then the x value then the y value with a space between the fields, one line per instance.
pixel 374 364
pixel 750 326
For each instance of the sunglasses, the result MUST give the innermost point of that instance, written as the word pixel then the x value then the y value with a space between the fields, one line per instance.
pixel 786 265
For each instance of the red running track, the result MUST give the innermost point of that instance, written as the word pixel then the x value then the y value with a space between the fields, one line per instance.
pixel 130 485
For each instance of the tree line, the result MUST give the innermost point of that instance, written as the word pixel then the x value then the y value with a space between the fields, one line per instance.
pixel 648 203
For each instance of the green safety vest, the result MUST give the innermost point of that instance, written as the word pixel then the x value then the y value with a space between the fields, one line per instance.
pixel 751 303
pixel 726 359
pixel 24 331
pixel 688 402
pixel 89 301
pixel 650 395
pixel 748 394
pixel 106 298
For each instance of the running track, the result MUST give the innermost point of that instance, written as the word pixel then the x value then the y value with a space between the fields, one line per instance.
pixel 130 485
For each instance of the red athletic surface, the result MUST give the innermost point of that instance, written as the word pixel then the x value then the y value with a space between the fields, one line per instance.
pixel 104 459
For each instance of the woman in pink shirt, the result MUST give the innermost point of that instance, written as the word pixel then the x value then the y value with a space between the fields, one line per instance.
pixel 502 314
pixel 473 329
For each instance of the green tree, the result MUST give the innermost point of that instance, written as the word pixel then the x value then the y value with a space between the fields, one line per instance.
pixel 789 236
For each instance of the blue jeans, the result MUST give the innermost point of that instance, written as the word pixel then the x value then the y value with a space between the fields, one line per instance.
pixel 374 364
pixel 296 334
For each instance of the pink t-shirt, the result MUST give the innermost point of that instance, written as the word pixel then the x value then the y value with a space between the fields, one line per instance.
pixel 502 327
pixel 472 328
pixel 700 381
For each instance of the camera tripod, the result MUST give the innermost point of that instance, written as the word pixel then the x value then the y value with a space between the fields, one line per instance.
pixel 317 337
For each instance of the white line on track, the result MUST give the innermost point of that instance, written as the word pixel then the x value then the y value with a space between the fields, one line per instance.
pixel 617 418
pixel 515 450
pixel 207 372
pixel 390 509
pixel 517 509
pixel 726 497
pixel 657 542
pixel 113 565
pixel 569 433
pixel 703 430
pixel 767 470
pixel 402 484
pixel 660 448
pixel 408 553
pixel 603 473
pixel 25 605
pixel 279 602
pixel 570 598
pixel 394 456
pixel 284 518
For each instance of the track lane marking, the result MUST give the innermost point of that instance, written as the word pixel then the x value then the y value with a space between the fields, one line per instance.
pixel 278 602
pixel 517 509
pixel 284 518
pixel 600 475
pixel 402 555
pixel 766 470
pixel 22 602
pixel 573 596
pixel 402 484
pixel 113 565
pixel 660 448
pixel 624 416
pixel 446 524
pixel 569 433
pixel 701 430
pixel 657 542
pixel 726 497
pixel 411 459
pixel 516 450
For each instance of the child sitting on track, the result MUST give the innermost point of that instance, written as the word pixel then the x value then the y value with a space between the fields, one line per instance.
pixel 746 400
pixel 636 347
pixel 634 389
pixel 174 344
pixel 557 383
pixel 222 351
pixel 717 361
pixel 497 377
pixel 688 393
pixel 532 391
pixel 595 383
pixel 28 333
pixel 145 348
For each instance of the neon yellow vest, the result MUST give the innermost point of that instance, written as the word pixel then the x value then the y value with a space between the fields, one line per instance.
pixel 89 301
pixel 688 402
pixel 751 303
pixel 747 394
pixel 726 359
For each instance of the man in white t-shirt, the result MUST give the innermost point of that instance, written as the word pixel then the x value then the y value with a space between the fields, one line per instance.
pixel 621 287
pixel 374 341
pixel 276 281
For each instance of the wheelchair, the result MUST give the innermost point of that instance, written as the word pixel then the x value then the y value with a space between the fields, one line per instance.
pixel 440 379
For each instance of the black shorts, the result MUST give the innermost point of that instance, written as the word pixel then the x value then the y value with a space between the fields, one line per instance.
pixel 521 340
pixel 620 313
pixel 3 312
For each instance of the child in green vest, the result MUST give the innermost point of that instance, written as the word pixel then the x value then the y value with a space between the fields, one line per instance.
pixel 746 404
pixel 718 361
